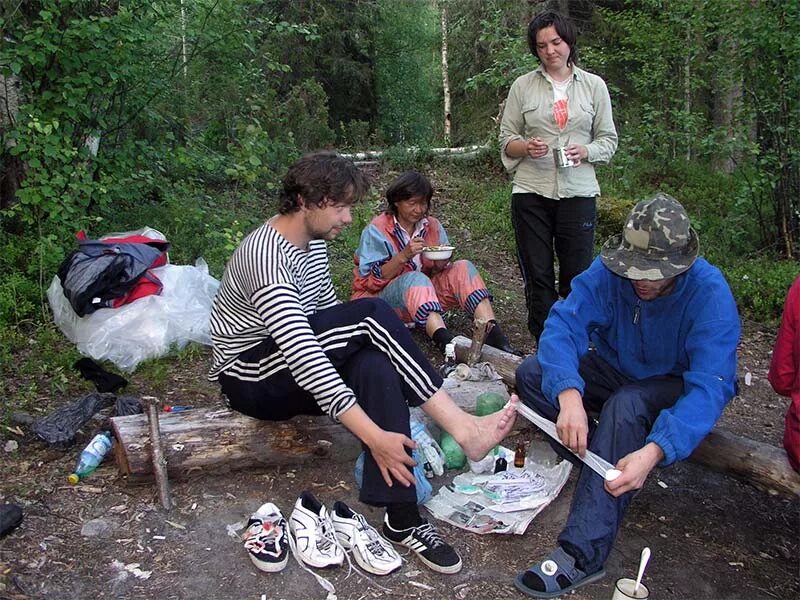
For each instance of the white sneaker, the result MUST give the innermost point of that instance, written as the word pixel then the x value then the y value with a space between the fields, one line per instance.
pixel 313 533
pixel 266 539
pixel 372 553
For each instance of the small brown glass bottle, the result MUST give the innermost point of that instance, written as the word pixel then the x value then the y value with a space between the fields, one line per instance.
pixel 519 455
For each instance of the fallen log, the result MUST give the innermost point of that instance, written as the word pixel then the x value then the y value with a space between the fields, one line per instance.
pixel 212 441
pixel 761 465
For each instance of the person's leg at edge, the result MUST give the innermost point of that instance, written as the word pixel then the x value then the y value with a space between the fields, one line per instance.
pixel 533 219
pixel 574 239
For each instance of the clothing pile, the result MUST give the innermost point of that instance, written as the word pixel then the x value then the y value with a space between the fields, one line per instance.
pixel 118 299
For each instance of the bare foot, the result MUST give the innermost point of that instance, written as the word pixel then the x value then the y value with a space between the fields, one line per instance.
pixel 486 432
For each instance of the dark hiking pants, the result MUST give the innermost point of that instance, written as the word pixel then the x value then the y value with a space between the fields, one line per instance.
pixel 542 225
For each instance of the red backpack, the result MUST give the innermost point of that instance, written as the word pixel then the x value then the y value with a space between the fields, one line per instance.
pixel 111 272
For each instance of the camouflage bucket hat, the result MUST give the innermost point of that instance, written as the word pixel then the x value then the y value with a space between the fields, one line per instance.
pixel 657 241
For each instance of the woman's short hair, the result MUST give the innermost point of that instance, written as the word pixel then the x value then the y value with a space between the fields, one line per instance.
pixel 564 28
pixel 322 177
pixel 408 185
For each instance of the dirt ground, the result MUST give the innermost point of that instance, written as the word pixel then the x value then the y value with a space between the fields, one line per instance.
pixel 711 536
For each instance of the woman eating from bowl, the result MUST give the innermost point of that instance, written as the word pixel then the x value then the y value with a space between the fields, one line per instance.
pixel 557 124
pixel 403 257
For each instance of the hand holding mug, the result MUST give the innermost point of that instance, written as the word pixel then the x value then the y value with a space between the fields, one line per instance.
pixel 576 153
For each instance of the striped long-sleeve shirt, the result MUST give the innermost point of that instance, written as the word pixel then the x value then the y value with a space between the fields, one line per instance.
pixel 267 291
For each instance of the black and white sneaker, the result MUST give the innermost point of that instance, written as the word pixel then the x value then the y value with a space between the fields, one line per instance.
pixel 427 543
pixel 266 539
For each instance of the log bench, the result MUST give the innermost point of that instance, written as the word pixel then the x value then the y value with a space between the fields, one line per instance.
pixel 213 441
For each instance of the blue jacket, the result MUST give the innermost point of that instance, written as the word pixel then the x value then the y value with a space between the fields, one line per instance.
pixel 692 333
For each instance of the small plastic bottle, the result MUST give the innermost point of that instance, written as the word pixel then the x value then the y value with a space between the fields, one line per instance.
pixel 449 360
pixel 519 455
pixel 500 465
pixel 91 456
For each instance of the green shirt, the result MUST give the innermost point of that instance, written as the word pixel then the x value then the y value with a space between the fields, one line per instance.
pixel 529 113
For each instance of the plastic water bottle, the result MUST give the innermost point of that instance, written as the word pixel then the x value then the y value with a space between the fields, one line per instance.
pixel 91 456
pixel 432 455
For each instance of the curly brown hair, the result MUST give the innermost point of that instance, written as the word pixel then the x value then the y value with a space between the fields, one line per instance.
pixel 319 178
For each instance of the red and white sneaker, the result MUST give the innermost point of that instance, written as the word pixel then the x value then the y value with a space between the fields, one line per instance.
pixel 266 539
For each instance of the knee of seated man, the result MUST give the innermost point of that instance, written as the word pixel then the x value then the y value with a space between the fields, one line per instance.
pixel 626 404
pixel 377 307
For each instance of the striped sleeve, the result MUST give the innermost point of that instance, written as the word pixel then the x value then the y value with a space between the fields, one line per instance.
pixel 282 312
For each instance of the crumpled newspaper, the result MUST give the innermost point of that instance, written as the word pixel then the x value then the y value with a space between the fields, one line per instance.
pixel 504 502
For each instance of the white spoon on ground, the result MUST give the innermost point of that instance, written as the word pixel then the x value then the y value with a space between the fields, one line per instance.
pixel 642 564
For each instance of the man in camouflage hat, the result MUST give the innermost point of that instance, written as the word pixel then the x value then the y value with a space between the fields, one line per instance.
pixel 646 339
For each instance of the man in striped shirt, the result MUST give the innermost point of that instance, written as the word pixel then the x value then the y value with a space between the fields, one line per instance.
pixel 284 346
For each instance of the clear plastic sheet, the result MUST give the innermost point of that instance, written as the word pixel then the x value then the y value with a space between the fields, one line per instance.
pixel 148 327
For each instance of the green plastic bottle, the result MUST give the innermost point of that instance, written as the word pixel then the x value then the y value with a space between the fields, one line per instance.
pixel 488 403
pixel 453 454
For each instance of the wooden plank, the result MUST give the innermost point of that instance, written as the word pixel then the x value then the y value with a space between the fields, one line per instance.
pixel 761 465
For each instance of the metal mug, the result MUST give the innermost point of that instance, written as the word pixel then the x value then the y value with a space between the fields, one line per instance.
pixel 560 156
pixel 624 590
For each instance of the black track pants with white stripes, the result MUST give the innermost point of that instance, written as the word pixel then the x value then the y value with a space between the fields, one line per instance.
pixel 377 358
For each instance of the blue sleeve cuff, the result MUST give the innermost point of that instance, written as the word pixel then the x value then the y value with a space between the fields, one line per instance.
pixel 670 454
pixel 554 388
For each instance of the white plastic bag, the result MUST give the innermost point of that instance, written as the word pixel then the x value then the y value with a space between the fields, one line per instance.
pixel 147 327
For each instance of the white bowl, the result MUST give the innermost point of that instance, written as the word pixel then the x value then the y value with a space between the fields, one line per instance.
pixel 438 252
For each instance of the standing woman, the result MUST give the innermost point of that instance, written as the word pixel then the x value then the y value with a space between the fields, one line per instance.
pixel 558 105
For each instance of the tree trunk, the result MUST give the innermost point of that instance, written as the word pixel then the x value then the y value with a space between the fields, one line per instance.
pixel 726 102
pixel 445 76
pixel 11 167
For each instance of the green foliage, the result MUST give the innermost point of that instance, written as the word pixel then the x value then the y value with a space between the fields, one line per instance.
pixel 355 135
pixel 198 225
pixel 407 74
pixel 611 214
pixel 28 264
pixel 760 286
pixel 306 114
pixel 200 107
pixel 486 212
